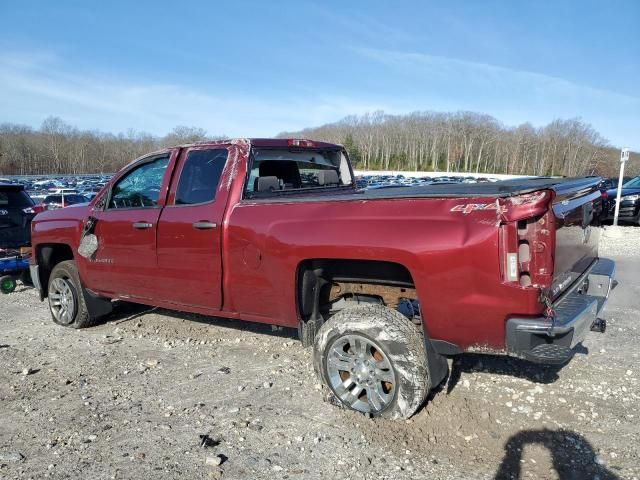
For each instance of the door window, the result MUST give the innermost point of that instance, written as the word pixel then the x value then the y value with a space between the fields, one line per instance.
pixel 140 188
pixel 200 176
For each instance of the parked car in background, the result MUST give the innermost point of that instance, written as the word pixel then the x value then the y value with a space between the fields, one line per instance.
pixel 629 202
pixel 16 213
pixel 52 202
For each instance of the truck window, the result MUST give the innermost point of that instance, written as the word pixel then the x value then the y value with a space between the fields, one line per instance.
pixel 283 170
pixel 200 176
pixel 140 188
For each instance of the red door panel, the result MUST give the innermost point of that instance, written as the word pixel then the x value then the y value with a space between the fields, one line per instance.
pixel 125 263
pixel 189 231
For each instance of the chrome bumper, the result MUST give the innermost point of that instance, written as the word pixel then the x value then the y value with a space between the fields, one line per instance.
pixel 543 340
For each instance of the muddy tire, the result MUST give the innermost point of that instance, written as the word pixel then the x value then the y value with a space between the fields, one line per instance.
pixel 66 300
pixel 372 359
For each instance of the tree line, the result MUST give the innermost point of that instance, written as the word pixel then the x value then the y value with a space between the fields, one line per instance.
pixel 420 141
pixel 469 142
pixel 59 148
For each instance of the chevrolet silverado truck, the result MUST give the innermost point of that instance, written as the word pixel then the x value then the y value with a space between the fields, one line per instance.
pixel 385 283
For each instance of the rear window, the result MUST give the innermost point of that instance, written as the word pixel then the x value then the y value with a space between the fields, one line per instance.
pixel 15 199
pixel 284 170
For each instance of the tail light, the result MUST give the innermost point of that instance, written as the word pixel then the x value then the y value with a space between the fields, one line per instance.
pixel 299 142
pixel 528 239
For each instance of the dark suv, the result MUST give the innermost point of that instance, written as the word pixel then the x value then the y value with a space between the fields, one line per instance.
pixel 16 213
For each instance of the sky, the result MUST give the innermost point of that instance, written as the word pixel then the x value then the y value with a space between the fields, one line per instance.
pixel 254 69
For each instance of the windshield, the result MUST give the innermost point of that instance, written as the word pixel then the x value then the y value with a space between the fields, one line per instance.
pixel 634 182
pixel 275 170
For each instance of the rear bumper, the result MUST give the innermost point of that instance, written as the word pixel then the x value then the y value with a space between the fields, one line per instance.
pixel 542 340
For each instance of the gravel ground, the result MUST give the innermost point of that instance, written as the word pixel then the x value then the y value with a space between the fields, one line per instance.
pixel 132 398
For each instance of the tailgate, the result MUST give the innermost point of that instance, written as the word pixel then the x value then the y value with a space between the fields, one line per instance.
pixel 577 208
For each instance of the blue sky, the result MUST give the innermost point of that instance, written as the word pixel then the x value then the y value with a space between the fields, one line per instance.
pixel 257 68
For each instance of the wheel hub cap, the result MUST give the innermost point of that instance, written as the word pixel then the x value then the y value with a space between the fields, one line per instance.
pixel 62 301
pixel 360 374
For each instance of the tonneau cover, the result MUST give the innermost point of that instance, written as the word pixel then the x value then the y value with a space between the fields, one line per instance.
pixel 500 189
pixel 503 188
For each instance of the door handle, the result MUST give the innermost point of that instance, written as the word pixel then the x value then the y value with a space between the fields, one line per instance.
pixel 142 225
pixel 204 225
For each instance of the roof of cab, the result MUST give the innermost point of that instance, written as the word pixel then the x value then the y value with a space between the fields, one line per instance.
pixel 259 142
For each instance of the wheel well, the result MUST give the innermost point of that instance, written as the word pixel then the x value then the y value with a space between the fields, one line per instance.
pixel 323 281
pixel 48 256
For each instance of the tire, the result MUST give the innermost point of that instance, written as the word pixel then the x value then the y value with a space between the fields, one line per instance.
pixel 66 300
pixel 373 338
pixel 7 284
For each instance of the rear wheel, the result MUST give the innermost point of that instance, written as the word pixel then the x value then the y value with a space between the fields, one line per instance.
pixel 373 360
pixel 66 301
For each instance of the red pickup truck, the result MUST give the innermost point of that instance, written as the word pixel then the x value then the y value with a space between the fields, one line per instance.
pixel 385 283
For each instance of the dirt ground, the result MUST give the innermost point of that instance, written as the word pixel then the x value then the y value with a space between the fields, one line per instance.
pixel 132 397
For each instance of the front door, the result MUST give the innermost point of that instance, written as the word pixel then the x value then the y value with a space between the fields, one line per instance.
pixel 125 263
pixel 189 230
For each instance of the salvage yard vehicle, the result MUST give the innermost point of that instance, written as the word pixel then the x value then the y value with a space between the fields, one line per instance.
pixel 16 213
pixel 629 210
pixel 384 283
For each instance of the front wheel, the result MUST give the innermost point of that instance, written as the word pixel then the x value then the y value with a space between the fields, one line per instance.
pixel 373 360
pixel 66 302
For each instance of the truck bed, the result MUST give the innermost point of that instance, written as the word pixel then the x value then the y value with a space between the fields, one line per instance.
pixel 503 188
pixel 500 189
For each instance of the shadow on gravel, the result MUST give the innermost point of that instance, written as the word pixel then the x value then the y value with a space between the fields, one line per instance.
pixel 125 312
pixel 501 365
pixel 573 456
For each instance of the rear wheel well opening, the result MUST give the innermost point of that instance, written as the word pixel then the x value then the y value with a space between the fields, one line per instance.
pixel 48 256
pixel 325 286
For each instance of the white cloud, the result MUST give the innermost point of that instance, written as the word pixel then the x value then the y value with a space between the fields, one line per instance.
pixel 513 96
pixel 34 86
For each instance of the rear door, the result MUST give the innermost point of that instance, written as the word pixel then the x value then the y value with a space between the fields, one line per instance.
pixel 577 211
pixel 189 231
pixel 125 262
